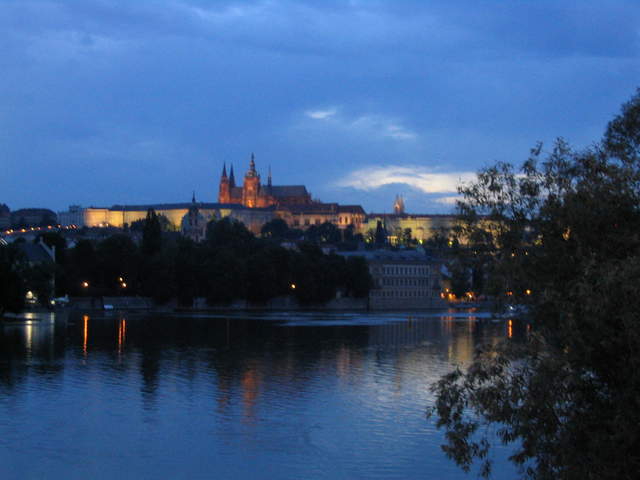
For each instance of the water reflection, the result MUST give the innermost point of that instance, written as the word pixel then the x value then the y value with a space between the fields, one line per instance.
pixel 293 396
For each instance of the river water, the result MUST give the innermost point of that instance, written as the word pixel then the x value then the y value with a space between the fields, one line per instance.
pixel 272 396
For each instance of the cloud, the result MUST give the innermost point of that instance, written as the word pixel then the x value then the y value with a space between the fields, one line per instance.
pixel 369 125
pixel 448 200
pixel 321 114
pixel 421 178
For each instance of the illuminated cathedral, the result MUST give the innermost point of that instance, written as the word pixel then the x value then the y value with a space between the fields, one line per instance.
pixel 252 194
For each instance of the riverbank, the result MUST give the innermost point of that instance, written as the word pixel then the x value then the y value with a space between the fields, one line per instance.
pixel 286 303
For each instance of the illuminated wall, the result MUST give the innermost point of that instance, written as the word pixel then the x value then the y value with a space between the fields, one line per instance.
pixel 102 217
pixel 95 217
pixel 422 227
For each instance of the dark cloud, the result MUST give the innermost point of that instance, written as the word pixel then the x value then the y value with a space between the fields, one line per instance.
pixel 109 101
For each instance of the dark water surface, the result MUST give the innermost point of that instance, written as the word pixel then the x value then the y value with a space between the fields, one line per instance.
pixel 274 396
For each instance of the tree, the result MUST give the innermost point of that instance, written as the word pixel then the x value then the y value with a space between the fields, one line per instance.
pixel 82 266
pixel 12 289
pixel 358 280
pixel 380 236
pixel 229 232
pixel 117 257
pixel 460 276
pixel 225 277
pixel 151 233
pixel 407 237
pixel 329 233
pixel 276 229
pixel 187 270
pixel 560 233
pixel 349 233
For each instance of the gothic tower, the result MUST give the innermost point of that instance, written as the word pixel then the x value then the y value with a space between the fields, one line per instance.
pixel 398 205
pixel 232 178
pixel 224 192
pixel 251 186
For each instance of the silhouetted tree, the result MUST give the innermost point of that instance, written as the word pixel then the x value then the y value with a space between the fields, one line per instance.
pixel 151 233
pixel 565 226
pixel 276 229
pixel 358 280
pixel 12 288
pixel 380 235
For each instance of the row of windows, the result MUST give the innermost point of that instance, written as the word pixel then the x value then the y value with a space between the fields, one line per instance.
pixel 318 221
pixel 307 222
pixel 400 293
pixel 406 282
pixel 397 270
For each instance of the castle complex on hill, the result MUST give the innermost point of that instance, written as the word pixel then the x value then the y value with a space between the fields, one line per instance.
pixel 255 204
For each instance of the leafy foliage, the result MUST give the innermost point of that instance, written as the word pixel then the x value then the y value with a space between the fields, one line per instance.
pixel 565 228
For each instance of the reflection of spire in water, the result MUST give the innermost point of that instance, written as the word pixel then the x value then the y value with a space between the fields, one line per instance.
pixel 250 385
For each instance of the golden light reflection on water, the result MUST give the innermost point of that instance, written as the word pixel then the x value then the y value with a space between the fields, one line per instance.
pixel 122 333
pixel 461 350
pixel 85 337
pixel 29 338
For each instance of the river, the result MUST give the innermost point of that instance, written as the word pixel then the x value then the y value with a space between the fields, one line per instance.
pixel 261 396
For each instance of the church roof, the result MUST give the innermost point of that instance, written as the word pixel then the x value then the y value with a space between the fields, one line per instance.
pixel 288 191
pixel 311 208
pixel 351 209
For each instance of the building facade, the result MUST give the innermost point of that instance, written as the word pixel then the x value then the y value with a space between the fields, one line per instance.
pixel 402 280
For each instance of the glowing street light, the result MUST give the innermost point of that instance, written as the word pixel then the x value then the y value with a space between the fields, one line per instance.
pixel 85 284
pixel 293 286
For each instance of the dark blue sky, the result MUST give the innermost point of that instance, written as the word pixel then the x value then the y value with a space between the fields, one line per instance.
pixel 119 101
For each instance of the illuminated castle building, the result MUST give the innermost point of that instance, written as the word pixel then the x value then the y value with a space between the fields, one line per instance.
pixel 253 194
pixel 255 204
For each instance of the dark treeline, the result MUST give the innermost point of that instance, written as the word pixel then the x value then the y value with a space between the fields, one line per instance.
pixel 230 264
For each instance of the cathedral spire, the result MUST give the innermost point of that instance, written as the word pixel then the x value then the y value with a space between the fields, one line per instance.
pixel 252 168
pixel 269 178
pixel 232 179
pixel 224 170
pixel 193 198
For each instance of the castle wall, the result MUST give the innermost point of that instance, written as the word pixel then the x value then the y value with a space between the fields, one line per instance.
pixel 422 227
pixel 95 217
